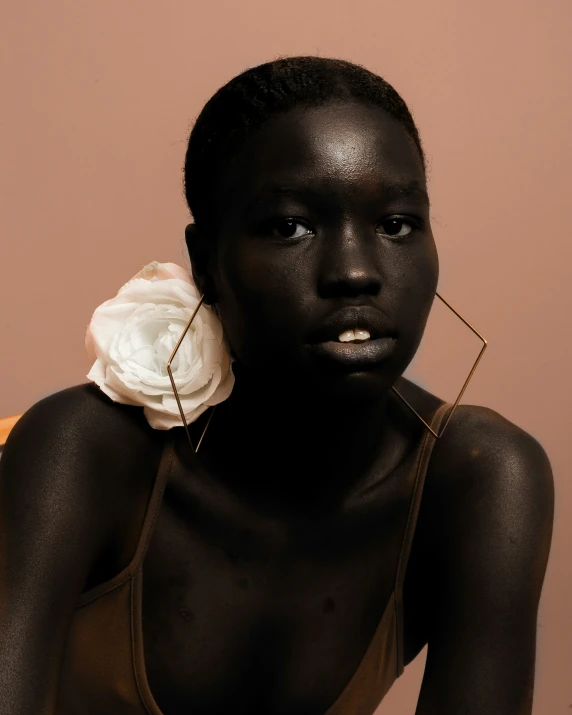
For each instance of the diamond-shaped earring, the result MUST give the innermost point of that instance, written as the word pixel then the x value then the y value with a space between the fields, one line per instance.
pixel 479 356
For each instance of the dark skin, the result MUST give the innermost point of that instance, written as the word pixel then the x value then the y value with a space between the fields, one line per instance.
pixel 328 167
pixel 274 553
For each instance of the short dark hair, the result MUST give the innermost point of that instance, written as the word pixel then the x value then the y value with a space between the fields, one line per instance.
pixel 250 99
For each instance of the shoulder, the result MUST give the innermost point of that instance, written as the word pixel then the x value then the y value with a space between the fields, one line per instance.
pixel 484 468
pixel 82 405
pixel 79 444
pixel 490 513
pixel 82 419
pixel 483 452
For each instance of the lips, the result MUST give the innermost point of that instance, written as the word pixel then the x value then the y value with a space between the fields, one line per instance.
pixel 355 355
pixel 362 318
pixel 325 343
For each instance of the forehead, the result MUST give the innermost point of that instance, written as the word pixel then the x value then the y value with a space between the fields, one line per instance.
pixel 343 143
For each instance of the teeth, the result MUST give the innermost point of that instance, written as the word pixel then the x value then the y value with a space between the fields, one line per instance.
pixel 352 335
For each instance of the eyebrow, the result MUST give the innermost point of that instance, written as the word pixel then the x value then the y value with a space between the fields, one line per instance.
pixel 414 189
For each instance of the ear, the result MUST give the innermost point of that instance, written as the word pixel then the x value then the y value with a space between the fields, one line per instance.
pixel 201 254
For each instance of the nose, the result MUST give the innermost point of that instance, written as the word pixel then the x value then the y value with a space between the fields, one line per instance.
pixel 348 266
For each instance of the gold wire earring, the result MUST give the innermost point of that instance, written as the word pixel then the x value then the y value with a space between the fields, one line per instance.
pixel 485 343
pixel 479 356
pixel 169 361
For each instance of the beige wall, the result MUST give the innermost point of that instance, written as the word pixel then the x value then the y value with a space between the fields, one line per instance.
pixel 97 101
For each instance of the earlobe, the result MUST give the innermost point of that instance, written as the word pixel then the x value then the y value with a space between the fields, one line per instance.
pixel 199 257
pixel 191 236
pixel 210 297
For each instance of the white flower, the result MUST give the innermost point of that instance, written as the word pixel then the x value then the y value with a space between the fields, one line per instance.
pixel 132 336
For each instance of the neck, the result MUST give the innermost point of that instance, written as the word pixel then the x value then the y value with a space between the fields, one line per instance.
pixel 282 448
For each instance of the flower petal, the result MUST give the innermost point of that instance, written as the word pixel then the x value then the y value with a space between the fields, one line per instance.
pixel 132 336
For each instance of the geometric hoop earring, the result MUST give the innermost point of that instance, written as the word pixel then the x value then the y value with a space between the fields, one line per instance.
pixel 485 343
pixel 175 387
pixel 479 356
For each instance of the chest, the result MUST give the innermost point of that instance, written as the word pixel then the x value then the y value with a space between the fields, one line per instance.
pixel 244 614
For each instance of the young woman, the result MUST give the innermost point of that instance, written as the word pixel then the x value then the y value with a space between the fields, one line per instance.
pixel 322 535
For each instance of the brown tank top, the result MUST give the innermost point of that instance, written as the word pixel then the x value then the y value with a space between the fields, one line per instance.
pixel 103 670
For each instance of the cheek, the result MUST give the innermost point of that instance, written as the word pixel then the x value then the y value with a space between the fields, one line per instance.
pixel 263 298
pixel 417 292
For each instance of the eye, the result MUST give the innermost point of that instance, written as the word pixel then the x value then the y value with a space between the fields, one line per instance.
pixel 397 227
pixel 289 228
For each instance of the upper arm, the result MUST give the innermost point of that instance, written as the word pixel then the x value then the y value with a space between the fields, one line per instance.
pixel 56 494
pixel 492 517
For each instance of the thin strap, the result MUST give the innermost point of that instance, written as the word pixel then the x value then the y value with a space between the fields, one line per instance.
pixel 147 529
pixel 154 502
pixel 422 464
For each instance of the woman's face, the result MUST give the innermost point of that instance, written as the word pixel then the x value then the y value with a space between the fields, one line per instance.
pixel 323 230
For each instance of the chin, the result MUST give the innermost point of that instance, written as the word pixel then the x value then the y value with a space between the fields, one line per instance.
pixel 352 388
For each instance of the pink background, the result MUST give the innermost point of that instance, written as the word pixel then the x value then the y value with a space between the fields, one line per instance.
pixel 98 98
